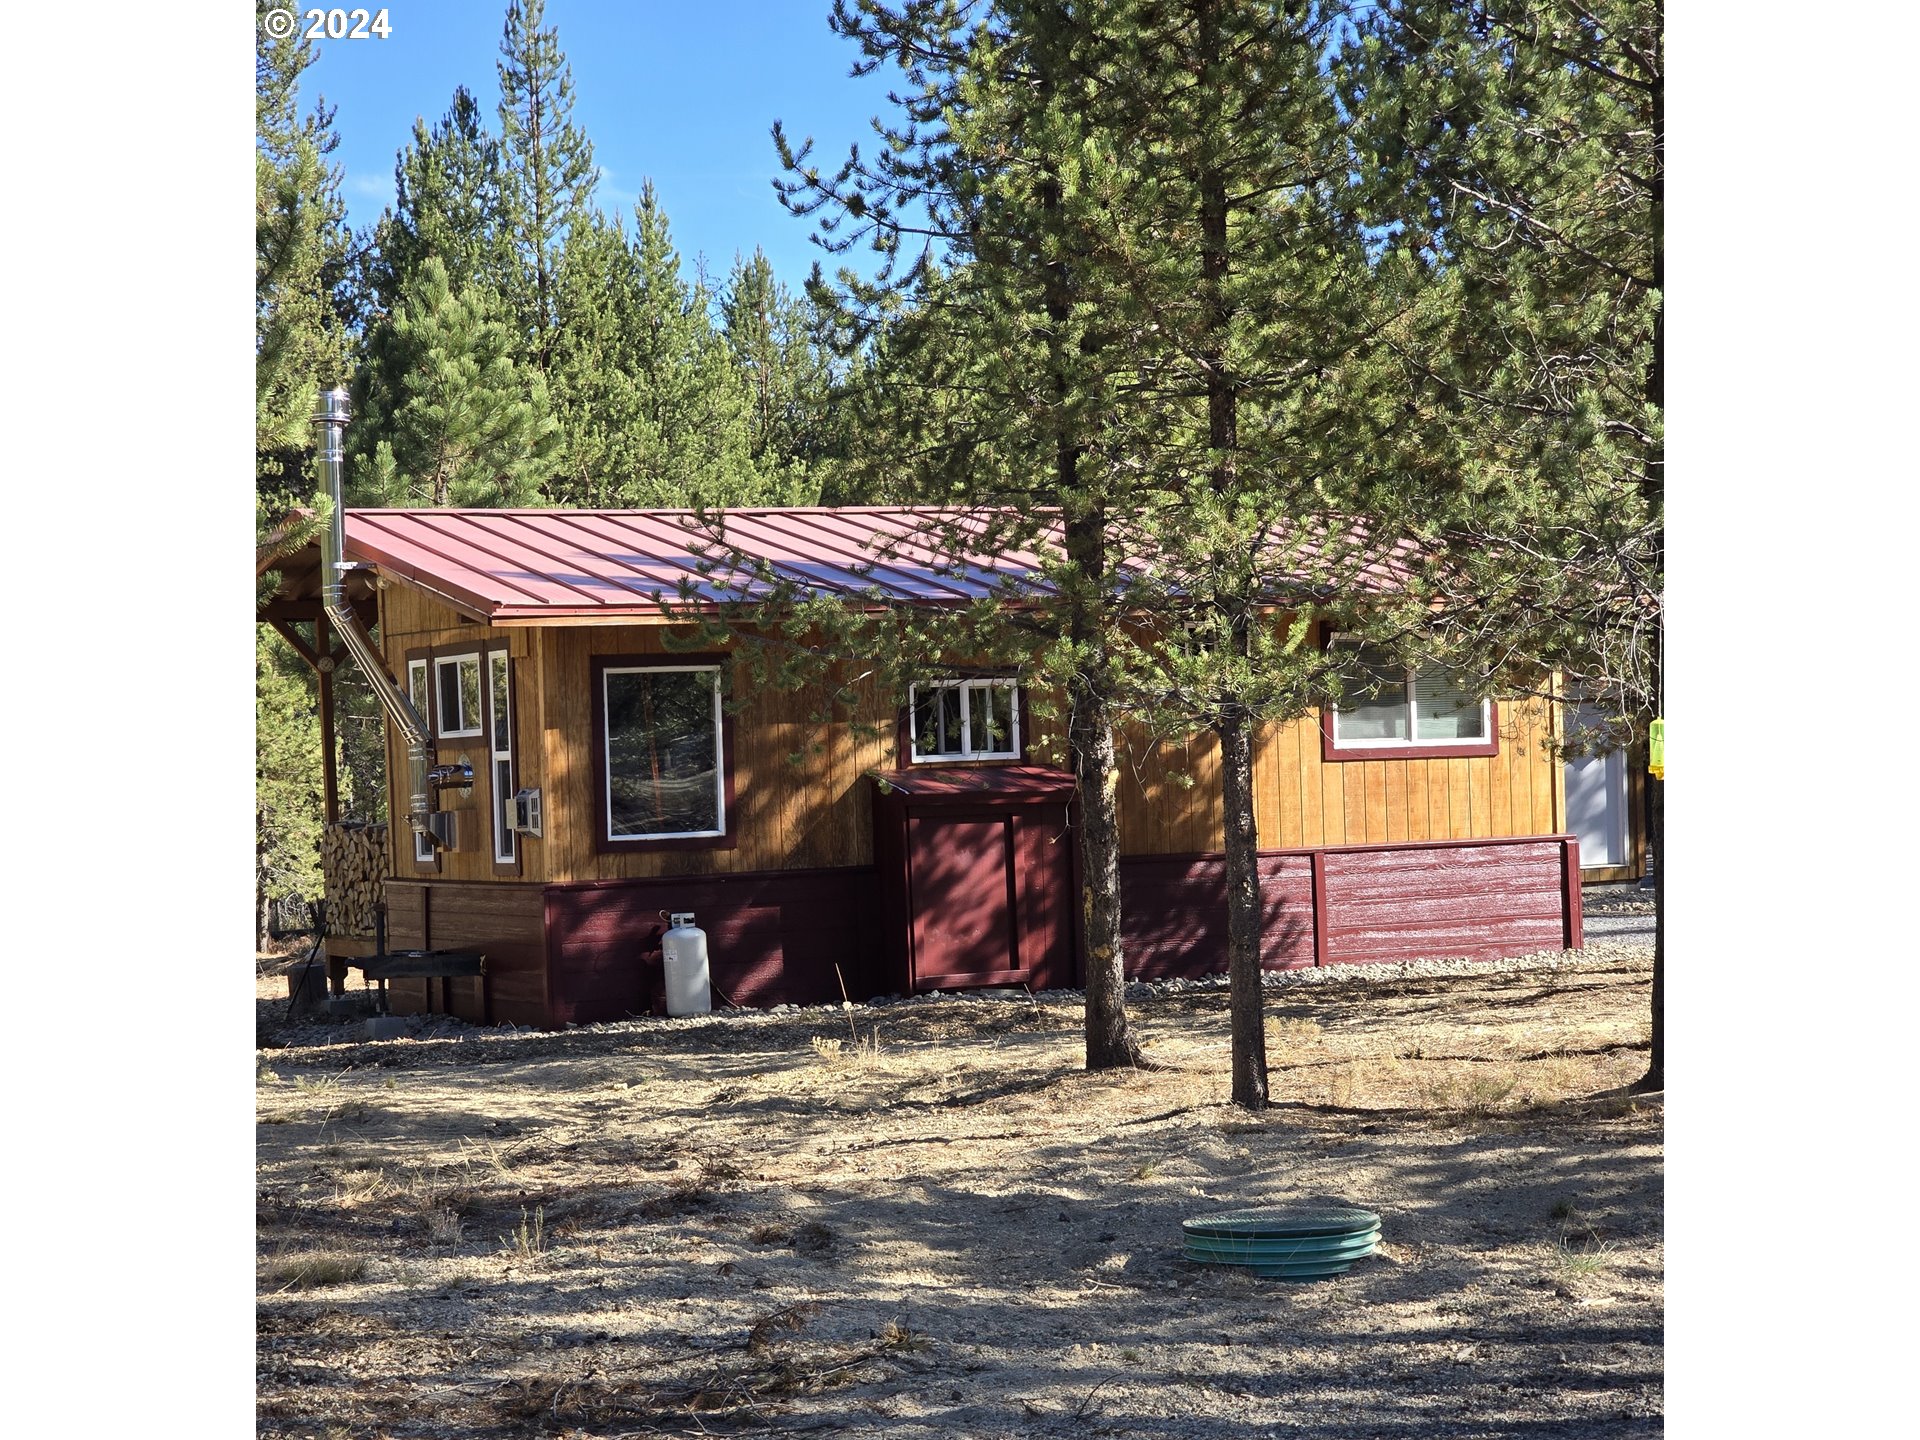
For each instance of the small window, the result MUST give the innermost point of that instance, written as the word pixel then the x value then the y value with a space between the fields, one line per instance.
pixel 1389 706
pixel 457 680
pixel 965 720
pixel 417 693
pixel 500 747
pixel 664 748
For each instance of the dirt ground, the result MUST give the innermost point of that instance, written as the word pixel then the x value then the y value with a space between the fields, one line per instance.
pixel 768 1224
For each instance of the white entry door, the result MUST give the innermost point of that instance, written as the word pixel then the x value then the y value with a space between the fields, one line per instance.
pixel 1597 799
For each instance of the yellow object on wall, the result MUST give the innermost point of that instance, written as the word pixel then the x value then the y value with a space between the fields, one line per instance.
pixel 1657 750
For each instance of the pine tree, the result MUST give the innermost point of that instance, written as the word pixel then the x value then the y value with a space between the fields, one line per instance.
pixel 286 795
pixel 976 206
pixel 595 399
pixel 653 407
pixel 548 169
pixel 777 343
pixel 301 259
pixel 1251 312
pixel 1515 151
pixel 471 426
pixel 448 203
pixel 301 252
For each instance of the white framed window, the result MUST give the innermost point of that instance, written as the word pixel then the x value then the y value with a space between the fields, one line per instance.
pixel 500 747
pixel 1389 706
pixel 664 750
pixel 417 692
pixel 964 720
pixel 457 688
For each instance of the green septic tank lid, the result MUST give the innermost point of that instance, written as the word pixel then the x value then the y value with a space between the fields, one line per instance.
pixel 1283 1224
pixel 1239 1249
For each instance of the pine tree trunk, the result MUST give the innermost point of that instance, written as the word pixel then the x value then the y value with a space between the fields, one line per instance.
pixel 1653 489
pixel 1656 1076
pixel 1110 1042
pixel 1243 910
pixel 1231 723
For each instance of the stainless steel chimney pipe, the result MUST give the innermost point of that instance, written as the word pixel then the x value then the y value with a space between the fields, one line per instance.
pixel 332 422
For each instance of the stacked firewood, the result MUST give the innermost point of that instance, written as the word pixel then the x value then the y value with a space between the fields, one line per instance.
pixel 353 859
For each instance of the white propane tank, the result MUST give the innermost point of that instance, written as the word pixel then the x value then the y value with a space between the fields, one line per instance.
pixel 684 951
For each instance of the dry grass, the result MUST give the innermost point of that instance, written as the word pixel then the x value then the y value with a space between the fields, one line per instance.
pixel 313 1270
pixel 746 1226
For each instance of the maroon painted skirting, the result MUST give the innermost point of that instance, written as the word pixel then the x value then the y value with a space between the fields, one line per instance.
pixel 773 938
pixel 777 937
pixel 1450 899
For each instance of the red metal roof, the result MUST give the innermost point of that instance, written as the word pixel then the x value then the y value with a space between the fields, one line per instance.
pixel 584 565
pixel 554 564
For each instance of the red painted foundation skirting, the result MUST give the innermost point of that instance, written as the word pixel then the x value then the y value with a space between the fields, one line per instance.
pixel 776 937
pixel 1355 904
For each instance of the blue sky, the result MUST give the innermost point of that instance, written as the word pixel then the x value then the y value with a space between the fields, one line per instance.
pixel 684 93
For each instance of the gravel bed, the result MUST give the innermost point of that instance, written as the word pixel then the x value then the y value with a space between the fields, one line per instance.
pixel 275 1033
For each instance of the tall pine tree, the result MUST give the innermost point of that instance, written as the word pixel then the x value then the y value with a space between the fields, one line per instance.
pixel 471 426
pixel 548 170
pixel 1251 315
pixel 301 342
pixel 978 207
pixel 1514 150
pixel 301 254
pixel 448 203
pixel 655 411
pixel 778 345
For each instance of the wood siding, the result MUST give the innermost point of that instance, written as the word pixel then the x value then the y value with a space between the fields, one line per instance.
pixel 410 620
pixel 505 921
pixel 811 812
pixel 799 799
pixel 1173 914
pixel 1302 801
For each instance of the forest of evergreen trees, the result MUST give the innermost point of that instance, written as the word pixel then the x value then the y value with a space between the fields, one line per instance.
pixel 506 341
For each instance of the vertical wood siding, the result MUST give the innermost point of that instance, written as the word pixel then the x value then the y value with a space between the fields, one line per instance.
pixel 1302 801
pixel 410 620
pixel 812 812
pixel 504 920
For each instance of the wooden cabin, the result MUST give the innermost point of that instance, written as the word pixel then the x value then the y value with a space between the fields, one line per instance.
pixel 616 779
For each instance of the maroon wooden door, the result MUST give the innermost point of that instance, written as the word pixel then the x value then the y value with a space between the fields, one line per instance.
pixel 988 896
pixel 961 874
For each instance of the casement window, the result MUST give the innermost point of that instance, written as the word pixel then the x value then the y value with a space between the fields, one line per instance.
pixel 663 752
pixel 964 720
pixel 417 692
pixel 500 749
pixel 457 687
pixel 1390 710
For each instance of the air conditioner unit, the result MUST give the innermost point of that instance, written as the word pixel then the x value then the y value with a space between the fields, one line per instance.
pixel 526 811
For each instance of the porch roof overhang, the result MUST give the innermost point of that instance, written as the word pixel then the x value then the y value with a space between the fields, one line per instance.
pixel 966 782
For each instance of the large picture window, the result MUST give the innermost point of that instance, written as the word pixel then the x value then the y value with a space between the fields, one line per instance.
pixel 663 752
pixel 964 720
pixel 1389 709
